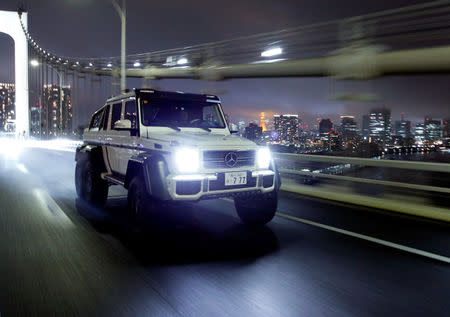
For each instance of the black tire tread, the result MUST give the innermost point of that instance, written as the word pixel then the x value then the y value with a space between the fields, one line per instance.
pixel 257 210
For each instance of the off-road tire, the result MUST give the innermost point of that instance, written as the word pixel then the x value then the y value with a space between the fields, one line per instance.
pixel 89 184
pixel 139 200
pixel 257 210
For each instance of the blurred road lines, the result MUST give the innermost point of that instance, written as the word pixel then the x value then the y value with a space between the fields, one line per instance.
pixel 51 208
pixel 364 237
pixel 369 238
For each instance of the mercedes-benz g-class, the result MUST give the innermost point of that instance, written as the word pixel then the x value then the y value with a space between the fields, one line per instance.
pixel 173 146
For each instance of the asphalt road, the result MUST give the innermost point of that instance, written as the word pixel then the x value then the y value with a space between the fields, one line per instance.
pixel 60 256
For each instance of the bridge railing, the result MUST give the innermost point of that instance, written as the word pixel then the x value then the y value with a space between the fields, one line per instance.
pixel 349 180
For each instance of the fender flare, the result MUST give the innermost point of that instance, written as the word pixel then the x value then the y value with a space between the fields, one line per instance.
pixel 153 168
pixel 90 152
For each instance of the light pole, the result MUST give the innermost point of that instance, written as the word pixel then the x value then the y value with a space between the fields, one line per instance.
pixel 122 11
pixel 35 63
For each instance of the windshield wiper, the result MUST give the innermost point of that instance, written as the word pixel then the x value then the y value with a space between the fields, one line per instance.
pixel 204 128
pixel 169 125
pixel 198 124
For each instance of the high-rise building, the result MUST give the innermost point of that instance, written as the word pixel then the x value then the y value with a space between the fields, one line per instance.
pixel 348 126
pixel 325 127
pixel 402 128
pixel 446 128
pixel 7 107
pixel 241 126
pixel 433 129
pixel 253 131
pixel 56 111
pixel 419 133
pixel 366 126
pixel 380 125
pixel 286 127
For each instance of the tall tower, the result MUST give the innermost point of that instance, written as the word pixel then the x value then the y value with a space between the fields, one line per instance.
pixel 10 24
pixel 262 122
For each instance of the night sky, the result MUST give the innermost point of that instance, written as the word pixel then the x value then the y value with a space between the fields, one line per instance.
pixel 91 28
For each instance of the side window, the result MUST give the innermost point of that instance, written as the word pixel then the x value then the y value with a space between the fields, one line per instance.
pixel 96 120
pixel 104 124
pixel 116 113
pixel 131 113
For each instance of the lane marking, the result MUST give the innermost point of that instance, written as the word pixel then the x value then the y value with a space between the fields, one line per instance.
pixel 54 212
pixel 364 237
pixel 369 238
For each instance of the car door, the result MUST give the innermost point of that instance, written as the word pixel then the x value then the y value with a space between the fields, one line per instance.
pixel 114 138
pixel 123 142
pixel 132 138
pixel 104 137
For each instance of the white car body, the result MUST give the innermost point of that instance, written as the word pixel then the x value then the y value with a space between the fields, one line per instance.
pixel 121 147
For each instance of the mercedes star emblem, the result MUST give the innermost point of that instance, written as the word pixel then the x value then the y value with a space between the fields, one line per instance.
pixel 230 159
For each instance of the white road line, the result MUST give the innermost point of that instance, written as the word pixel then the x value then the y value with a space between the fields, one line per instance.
pixel 364 237
pixel 52 209
pixel 369 238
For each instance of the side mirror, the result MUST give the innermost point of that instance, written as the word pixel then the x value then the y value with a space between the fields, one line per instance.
pixel 233 128
pixel 122 125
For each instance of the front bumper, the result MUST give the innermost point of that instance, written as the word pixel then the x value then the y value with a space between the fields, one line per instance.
pixel 206 186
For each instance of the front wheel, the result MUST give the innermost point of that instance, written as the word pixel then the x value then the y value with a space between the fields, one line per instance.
pixel 257 210
pixel 140 202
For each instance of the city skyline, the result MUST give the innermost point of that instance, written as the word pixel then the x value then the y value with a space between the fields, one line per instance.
pixel 314 119
pixel 255 116
pixel 376 126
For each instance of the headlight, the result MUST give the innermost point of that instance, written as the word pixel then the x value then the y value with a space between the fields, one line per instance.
pixel 187 160
pixel 263 158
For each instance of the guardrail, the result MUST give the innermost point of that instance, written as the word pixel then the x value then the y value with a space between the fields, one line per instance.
pixel 407 206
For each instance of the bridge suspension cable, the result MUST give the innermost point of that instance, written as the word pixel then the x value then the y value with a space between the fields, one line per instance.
pixel 366 44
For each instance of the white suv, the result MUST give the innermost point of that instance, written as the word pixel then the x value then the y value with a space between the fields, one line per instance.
pixel 172 146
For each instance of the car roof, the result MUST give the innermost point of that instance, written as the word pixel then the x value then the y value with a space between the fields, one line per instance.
pixel 164 94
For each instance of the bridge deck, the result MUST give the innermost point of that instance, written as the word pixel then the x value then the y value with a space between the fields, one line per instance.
pixel 60 255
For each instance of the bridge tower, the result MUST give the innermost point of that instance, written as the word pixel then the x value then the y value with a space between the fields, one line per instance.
pixel 10 24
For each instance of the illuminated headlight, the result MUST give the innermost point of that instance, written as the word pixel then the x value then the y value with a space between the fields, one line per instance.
pixel 263 158
pixel 187 160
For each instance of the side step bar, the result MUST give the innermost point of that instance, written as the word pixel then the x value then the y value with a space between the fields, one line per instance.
pixel 114 179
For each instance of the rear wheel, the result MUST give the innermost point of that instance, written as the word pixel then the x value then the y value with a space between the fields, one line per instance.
pixel 257 210
pixel 89 184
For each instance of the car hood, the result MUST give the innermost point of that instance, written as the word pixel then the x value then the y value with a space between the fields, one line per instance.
pixel 202 139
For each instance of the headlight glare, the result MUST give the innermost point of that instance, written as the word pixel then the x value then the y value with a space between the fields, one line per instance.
pixel 263 158
pixel 187 160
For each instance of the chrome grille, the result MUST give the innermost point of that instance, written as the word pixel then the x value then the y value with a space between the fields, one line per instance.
pixel 216 159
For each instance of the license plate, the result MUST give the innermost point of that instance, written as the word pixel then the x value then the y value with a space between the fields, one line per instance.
pixel 235 178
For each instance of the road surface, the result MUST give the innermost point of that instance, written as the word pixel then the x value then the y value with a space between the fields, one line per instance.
pixel 58 255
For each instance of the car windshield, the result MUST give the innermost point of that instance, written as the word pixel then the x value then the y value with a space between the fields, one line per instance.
pixel 181 113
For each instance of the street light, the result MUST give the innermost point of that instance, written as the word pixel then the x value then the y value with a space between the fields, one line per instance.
pixel 122 11
pixel 272 52
pixel 35 63
pixel 182 61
